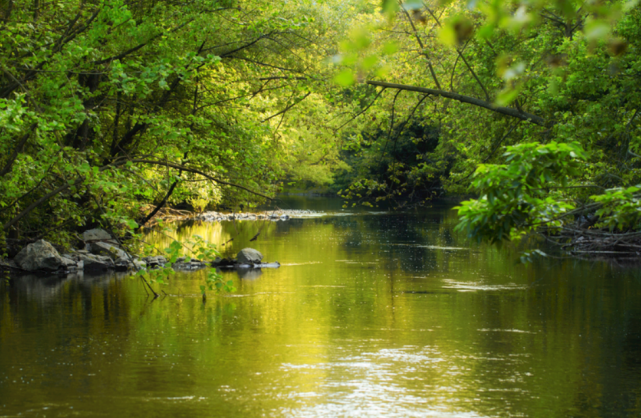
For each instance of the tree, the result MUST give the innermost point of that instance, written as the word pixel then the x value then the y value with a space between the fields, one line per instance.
pixel 552 84
pixel 110 109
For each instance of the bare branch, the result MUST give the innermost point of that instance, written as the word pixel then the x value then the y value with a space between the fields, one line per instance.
pixel 362 111
pixel 418 39
pixel 287 108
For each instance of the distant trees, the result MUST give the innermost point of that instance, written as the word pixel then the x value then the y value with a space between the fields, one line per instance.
pixel 537 106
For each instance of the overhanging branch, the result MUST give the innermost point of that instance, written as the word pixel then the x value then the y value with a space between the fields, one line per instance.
pixel 508 111
pixel 195 171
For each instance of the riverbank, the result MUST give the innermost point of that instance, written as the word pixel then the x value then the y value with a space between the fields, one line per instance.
pixel 103 252
pixel 175 215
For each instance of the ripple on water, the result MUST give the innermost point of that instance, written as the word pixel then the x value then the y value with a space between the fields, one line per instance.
pixel 476 286
pixel 368 385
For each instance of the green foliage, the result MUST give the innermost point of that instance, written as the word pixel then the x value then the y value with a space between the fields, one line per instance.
pixel 554 83
pixel 197 247
pixel 393 166
pixel 111 108
pixel 620 208
pixel 520 194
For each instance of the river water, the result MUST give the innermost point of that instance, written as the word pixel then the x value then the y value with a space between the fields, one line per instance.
pixel 370 314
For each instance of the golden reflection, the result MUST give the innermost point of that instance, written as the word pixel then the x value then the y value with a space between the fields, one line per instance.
pixel 351 324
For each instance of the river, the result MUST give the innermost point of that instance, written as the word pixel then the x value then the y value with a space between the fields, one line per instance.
pixel 370 314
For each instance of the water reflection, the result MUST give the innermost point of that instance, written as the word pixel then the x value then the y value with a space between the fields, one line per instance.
pixel 369 315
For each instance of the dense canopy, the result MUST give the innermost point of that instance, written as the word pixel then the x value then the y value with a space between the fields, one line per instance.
pixel 110 110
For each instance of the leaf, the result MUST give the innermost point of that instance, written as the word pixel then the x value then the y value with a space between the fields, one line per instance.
pixel 345 78
pixel 390 48
pixel 507 96
pixel 390 7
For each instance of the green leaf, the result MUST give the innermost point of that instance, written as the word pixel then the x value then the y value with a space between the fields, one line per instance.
pixel 345 78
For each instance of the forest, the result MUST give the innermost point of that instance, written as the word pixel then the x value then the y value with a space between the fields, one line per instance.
pixel 111 110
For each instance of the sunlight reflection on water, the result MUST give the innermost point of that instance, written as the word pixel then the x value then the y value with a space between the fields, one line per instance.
pixel 394 315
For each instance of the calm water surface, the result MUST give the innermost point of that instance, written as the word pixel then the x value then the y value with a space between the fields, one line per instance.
pixel 371 314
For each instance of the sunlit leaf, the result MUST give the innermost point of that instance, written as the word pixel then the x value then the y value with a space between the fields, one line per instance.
pixel 345 78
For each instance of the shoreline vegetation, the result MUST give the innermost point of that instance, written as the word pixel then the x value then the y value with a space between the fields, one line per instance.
pixel 103 253
pixel 112 112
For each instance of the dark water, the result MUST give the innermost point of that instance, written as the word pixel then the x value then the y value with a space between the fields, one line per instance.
pixel 391 315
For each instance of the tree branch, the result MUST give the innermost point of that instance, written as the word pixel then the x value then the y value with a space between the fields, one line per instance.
pixel 7 168
pixel 460 54
pixel 508 111
pixel 362 111
pixel 161 204
pixel 420 43
pixel 195 171
pixel 287 108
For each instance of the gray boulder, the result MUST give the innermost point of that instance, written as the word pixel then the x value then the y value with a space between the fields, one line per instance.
pixel 155 261
pixel 98 235
pixel 249 256
pixel 41 255
pixel 96 262
pixel 109 250
pixel 182 264
pixel 125 263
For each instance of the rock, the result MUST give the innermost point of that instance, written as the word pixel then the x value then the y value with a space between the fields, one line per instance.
pixel 249 255
pixel 182 264
pixel 9 264
pixel 73 257
pixel 41 255
pixel 122 264
pixel 98 235
pixel 222 262
pixel 155 261
pixel 96 262
pixel 78 264
pixel 104 248
pixel 100 242
pixel 243 266
pixel 125 264
pixel 189 266
pixel 69 264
